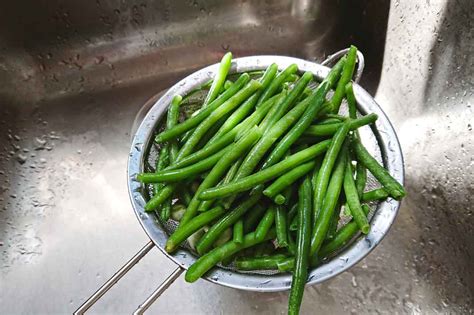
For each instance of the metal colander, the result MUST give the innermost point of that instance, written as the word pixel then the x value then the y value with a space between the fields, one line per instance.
pixel 381 141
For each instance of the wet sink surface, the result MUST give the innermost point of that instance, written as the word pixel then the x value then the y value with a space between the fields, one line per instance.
pixel 73 77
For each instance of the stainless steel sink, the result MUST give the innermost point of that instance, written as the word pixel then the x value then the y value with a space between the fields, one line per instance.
pixel 74 74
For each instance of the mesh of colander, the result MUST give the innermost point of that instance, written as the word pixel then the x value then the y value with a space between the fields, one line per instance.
pixel 190 105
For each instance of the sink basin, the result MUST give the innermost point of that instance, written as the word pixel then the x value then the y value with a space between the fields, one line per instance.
pixel 74 75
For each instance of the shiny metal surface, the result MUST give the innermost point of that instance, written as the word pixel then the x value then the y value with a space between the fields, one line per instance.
pixel 384 140
pixel 73 75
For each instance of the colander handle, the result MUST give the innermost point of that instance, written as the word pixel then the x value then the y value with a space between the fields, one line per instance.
pixel 120 273
pixel 331 59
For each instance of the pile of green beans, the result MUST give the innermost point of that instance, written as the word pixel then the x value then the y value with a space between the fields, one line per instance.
pixel 263 169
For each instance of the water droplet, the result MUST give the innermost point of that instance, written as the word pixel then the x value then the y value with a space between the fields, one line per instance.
pixel 21 158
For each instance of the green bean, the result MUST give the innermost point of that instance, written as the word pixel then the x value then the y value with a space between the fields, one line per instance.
pixel 330 129
pixel 266 223
pixel 261 177
pixel 346 77
pixel 291 78
pixel 280 225
pixel 279 199
pixel 300 273
pixel 331 198
pixel 232 154
pixel 334 221
pixel 247 106
pixel 238 231
pixel 219 112
pixel 196 223
pixel 171 121
pixel 209 134
pixel 182 140
pixel 383 176
pixel 163 160
pixel 172 149
pixel 268 120
pixel 182 173
pixel 318 161
pixel 273 87
pixel 259 263
pixel 158 199
pixel 351 101
pixel 352 197
pixel 342 237
pixel 219 79
pixel 227 84
pixel 361 179
pixel 252 218
pixel 288 102
pixel 291 241
pixel 286 265
pixel 324 173
pixel 327 121
pixel 206 204
pixel 294 223
pixel 226 139
pixel 376 194
pixel 267 140
pixel 287 179
pixel 193 121
pixel 206 242
pixel 209 260
pixel 166 210
pixel 316 103
pixel 287 193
